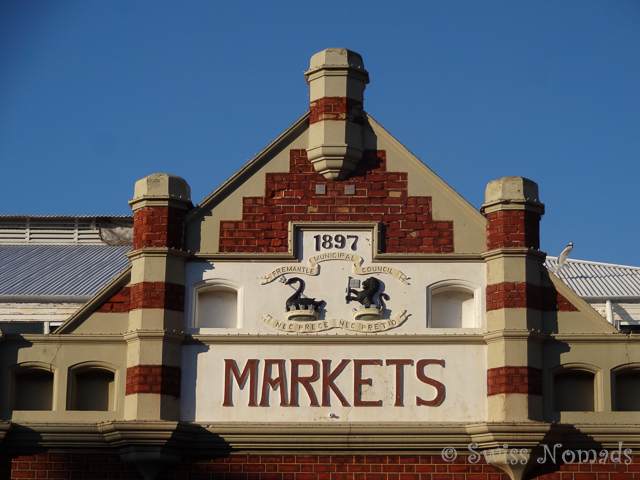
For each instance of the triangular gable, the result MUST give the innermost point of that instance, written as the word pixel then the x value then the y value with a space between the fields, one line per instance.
pixel 89 309
pixel 203 222
pixel 251 211
pixel 574 315
pixel 447 203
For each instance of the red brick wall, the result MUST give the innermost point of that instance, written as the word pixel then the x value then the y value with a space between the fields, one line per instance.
pixel 146 295
pixel 587 471
pixel 158 227
pixel 157 295
pixel 513 228
pixel 102 466
pixel 378 467
pixel 512 295
pixel 526 380
pixel 335 108
pixel 119 302
pixel 331 467
pixel 97 466
pixel 380 196
pixel 159 379
pixel 524 295
pixel 552 301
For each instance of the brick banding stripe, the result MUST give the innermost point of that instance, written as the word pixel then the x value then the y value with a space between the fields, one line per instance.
pixel 335 108
pixel 118 302
pixel 512 295
pixel 380 196
pixel 169 296
pixel 158 227
pixel 513 228
pixel 525 295
pixel 155 379
pixel 523 380
pixel 552 301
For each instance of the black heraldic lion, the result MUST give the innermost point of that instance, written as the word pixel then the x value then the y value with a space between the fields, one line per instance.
pixel 369 288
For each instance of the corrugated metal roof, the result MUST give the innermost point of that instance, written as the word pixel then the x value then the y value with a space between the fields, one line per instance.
pixel 59 269
pixel 594 279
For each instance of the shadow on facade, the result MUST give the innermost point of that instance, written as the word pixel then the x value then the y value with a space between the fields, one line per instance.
pixel 574 451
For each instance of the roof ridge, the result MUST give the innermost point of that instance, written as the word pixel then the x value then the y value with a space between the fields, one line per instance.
pixel 591 262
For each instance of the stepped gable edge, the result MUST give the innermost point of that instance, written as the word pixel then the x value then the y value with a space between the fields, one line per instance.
pixel 380 196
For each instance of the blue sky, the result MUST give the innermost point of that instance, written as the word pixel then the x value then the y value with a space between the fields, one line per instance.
pixel 95 95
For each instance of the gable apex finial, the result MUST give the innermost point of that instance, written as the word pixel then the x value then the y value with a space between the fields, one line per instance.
pixel 337 79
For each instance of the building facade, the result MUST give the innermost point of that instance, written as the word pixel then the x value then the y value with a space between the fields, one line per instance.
pixel 332 311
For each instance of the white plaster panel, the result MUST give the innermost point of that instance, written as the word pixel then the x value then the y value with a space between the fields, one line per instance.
pixel 330 285
pixel 329 86
pixel 463 376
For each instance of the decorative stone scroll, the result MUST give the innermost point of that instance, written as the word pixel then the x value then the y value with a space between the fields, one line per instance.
pixel 314 268
pixel 361 326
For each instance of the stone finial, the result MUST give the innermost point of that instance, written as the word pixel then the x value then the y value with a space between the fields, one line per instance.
pixel 512 193
pixel 337 79
pixel 337 72
pixel 160 203
pixel 161 189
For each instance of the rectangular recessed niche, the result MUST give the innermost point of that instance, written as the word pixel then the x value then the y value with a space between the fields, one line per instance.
pixel 349 189
pixel 453 308
pixel 321 189
pixel 217 308
pixel 574 391
pixel 92 390
pixel 33 390
pixel 627 391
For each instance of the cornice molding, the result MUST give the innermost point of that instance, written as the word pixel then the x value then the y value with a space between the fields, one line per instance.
pixel 338 437
pixel 328 339
pixel 157 252
pixel 514 252
pixel 154 335
pixel 515 334
pixel 598 338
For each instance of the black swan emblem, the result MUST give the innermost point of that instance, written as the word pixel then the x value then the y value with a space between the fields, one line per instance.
pixel 369 288
pixel 298 302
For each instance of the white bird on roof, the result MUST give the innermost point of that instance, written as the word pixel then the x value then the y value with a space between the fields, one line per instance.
pixel 562 258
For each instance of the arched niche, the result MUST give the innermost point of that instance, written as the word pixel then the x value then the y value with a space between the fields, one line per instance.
pixel 575 388
pixel 217 303
pixel 91 387
pixel 32 387
pixel 625 388
pixel 454 304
